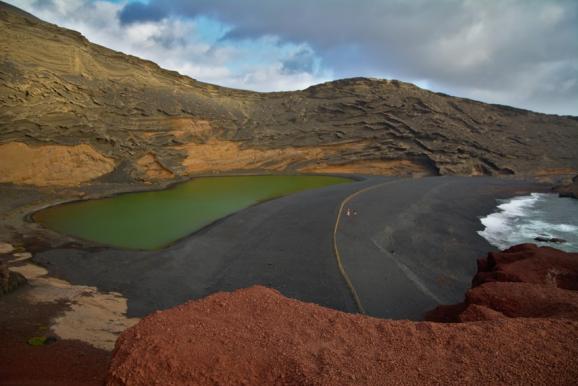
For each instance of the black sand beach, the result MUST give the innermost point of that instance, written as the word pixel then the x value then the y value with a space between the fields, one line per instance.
pixel 411 238
pixel 412 243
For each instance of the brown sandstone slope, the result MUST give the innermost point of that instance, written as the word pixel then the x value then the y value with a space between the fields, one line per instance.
pixel 58 89
pixel 523 329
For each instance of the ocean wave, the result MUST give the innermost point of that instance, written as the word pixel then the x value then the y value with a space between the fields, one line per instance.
pixel 522 219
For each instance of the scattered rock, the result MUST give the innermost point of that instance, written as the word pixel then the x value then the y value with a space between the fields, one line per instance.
pixel 10 280
pixel 6 248
pixel 19 256
pixel 544 239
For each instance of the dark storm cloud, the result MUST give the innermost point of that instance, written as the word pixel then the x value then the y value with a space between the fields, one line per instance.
pixel 523 52
pixel 138 12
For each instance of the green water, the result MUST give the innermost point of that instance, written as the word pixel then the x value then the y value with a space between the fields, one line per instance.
pixel 152 220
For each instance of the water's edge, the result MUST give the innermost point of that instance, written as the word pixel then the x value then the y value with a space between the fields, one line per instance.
pixel 522 219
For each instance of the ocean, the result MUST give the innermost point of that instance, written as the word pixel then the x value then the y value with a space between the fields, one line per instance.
pixel 521 219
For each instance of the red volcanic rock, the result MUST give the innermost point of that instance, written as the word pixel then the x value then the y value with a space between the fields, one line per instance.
pixel 529 263
pixel 256 336
pixel 522 281
pixel 523 300
pixel 522 315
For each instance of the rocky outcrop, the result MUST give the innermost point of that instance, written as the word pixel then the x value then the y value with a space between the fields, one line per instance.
pixel 568 190
pixel 522 281
pixel 9 280
pixel 526 332
pixel 57 88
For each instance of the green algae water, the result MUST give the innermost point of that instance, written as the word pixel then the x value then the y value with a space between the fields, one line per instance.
pixel 152 220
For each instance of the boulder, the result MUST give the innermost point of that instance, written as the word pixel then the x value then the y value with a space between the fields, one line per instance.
pixel 10 280
pixel 544 239
pixel 6 248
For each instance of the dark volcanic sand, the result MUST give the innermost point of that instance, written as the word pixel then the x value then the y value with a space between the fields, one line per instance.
pixel 413 243
pixel 286 244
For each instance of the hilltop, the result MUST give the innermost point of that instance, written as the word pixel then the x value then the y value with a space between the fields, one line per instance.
pixel 98 113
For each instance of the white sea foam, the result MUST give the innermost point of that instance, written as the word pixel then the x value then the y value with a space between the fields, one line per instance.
pixel 522 219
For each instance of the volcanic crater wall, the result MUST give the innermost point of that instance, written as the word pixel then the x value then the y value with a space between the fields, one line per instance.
pixel 58 89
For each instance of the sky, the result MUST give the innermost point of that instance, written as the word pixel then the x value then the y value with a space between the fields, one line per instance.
pixel 522 53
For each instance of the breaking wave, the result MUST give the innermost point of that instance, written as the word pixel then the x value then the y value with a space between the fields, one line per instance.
pixel 522 219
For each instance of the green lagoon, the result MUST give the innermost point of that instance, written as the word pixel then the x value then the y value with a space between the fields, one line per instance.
pixel 153 220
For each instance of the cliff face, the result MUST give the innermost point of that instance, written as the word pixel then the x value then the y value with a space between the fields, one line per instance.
pixel 522 329
pixel 58 89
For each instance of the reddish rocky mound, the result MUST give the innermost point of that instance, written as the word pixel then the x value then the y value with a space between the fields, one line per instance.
pixel 256 336
pixel 522 281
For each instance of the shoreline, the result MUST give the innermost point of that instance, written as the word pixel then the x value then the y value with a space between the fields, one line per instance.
pixel 29 217
pixel 283 243
pixel 21 222
pixel 233 253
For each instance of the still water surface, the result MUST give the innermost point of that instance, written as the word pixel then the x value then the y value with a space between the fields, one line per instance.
pixel 152 220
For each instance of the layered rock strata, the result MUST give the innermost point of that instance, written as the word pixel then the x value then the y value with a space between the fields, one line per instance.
pixel 98 110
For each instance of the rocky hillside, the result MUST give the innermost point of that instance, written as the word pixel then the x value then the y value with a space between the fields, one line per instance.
pixel 68 104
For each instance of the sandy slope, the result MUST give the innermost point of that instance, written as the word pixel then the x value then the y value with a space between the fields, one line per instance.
pixel 58 89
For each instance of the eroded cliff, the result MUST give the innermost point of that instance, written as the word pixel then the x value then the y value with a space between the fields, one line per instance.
pixel 58 89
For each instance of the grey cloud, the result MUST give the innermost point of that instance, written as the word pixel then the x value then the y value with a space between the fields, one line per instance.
pixel 139 12
pixel 302 61
pixel 457 45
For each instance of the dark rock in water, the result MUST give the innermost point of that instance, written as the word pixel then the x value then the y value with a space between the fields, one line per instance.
pixel 549 239
pixel 10 280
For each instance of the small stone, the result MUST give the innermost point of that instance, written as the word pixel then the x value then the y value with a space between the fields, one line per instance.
pixel 22 255
pixel 557 240
pixel 543 239
pixel 51 339
pixel 10 280
pixel 6 248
